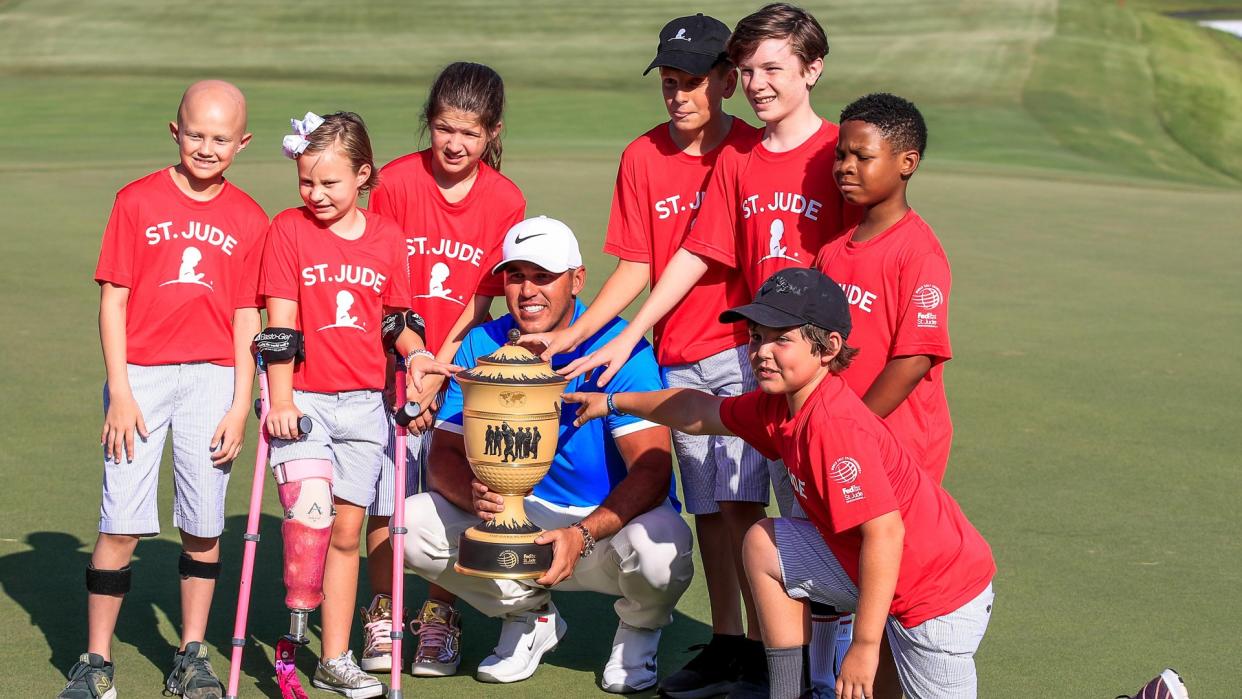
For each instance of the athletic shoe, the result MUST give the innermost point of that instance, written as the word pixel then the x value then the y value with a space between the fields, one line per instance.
pixel 343 676
pixel 752 681
pixel 438 628
pixel 376 627
pixel 89 678
pixel 524 638
pixel 713 671
pixel 192 676
pixel 1166 685
pixel 632 665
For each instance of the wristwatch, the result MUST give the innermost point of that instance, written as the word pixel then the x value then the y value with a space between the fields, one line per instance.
pixel 588 541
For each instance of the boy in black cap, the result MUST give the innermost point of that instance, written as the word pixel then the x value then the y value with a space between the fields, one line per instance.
pixel 882 537
pixel 660 182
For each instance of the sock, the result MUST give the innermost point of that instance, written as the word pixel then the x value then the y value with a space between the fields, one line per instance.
pixel 784 672
pixel 845 636
pixel 823 648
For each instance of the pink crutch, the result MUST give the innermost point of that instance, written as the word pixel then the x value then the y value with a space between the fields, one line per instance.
pixel 251 538
pixel 405 414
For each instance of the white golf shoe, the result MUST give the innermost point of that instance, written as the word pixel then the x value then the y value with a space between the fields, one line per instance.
pixel 524 638
pixel 632 665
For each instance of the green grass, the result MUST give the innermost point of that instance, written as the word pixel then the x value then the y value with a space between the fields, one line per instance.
pixel 1083 175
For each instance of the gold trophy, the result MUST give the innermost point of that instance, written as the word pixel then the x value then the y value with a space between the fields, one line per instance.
pixel 511 419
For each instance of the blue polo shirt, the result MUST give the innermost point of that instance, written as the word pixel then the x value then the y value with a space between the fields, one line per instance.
pixel 587 465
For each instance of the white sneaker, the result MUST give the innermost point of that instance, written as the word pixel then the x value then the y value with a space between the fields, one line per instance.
pixel 524 638
pixel 632 665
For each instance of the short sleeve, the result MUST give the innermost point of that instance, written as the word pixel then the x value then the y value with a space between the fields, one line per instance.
pixel 628 237
pixel 448 418
pixel 713 234
pixel 849 473
pixel 640 373
pixel 744 416
pixel 116 252
pixel 397 290
pixel 247 291
pixel 923 321
pixel 383 201
pixel 493 284
pixel 278 277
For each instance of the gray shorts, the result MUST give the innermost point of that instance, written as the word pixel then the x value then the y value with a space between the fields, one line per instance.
pixel 935 660
pixel 716 468
pixel 416 449
pixel 190 400
pixel 350 431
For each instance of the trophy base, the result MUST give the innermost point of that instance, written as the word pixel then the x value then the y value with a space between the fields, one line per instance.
pixel 490 552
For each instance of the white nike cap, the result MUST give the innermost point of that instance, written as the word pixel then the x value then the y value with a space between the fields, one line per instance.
pixel 542 241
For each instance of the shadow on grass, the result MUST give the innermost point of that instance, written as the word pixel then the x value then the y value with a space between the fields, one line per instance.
pixel 47 581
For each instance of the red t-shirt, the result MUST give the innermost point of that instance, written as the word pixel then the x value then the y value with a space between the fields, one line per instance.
pixel 897 285
pixel 847 468
pixel 188 265
pixel 659 189
pixel 341 287
pixel 451 247
pixel 766 211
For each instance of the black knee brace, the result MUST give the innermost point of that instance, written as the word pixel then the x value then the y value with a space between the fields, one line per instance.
pixel 190 568
pixel 822 609
pixel 107 582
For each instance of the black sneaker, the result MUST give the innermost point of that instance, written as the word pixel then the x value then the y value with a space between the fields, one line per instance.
pixel 192 676
pixel 752 682
pixel 89 678
pixel 710 673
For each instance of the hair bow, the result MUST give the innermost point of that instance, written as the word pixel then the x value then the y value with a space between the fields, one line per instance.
pixel 295 143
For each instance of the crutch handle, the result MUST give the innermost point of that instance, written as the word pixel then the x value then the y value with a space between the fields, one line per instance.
pixel 406 414
pixel 305 424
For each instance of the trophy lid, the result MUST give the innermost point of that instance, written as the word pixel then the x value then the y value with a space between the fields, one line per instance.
pixel 512 364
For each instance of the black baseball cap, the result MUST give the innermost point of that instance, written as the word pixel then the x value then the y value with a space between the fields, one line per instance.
pixel 693 44
pixel 796 296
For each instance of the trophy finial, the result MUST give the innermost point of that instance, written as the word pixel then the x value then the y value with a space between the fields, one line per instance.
pixel 514 334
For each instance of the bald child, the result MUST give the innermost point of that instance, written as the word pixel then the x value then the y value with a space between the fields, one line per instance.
pixel 178 276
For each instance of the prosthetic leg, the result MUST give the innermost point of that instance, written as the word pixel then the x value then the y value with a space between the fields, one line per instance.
pixel 305 489
pixel 291 690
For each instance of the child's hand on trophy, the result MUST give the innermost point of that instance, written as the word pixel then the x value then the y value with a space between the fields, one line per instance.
pixel 486 503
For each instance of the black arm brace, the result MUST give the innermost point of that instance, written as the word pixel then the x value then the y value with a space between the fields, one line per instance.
pixel 395 323
pixel 279 344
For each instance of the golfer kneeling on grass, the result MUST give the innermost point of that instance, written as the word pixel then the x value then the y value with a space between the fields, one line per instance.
pixel 882 537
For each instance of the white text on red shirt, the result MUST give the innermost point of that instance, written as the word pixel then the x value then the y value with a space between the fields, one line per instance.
pixel 670 206
pixel 782 201
pixel 345 274
pixel 450 249
pixel 196 230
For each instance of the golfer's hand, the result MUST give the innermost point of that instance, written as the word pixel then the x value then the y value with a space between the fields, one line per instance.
pixel 230 433
pixel 549 344
pixel 857 677
pixel 122 420
pixel 282 420
pixel 590 406
pixel 612 355
pixel 567 546
pixel 486 503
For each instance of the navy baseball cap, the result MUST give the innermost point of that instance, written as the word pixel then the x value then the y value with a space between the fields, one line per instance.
pixel 693 44
pixel 796 296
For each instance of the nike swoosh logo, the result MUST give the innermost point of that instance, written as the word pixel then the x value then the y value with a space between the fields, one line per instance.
pixel 518 240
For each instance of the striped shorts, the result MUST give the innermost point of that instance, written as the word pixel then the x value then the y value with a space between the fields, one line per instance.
pixel 416 449
pixel 935 660
pixel 350 431
pixel 190 400
pixel 717 468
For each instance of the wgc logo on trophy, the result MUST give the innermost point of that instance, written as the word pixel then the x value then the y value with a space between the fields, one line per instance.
pixel 511 419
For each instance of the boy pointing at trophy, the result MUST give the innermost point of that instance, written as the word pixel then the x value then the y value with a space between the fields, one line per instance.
pixel 605 505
